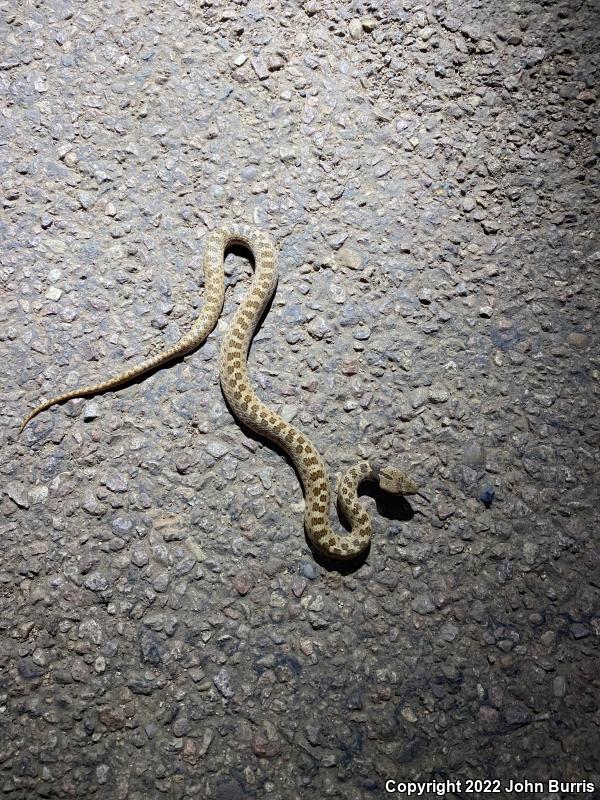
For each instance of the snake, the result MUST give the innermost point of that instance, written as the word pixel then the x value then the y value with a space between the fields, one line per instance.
pixel 250 410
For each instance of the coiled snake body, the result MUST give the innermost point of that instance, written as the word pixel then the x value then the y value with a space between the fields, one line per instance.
pixel 233 373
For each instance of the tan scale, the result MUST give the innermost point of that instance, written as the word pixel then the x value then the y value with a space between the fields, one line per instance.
pixel 250 410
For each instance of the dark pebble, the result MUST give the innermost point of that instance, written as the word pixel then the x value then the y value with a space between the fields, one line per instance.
pixel 487 495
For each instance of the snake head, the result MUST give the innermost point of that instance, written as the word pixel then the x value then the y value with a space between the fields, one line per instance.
pixel 395 481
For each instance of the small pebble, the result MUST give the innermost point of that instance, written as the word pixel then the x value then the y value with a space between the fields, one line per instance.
pixel 487 496
pixel 355 28
pixel 90 411
pixel 221 681
pixel 578 340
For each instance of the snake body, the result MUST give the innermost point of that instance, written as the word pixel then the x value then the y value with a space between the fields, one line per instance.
pixel 250 410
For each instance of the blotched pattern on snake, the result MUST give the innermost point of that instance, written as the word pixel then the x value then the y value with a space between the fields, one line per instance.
pixel 245 404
